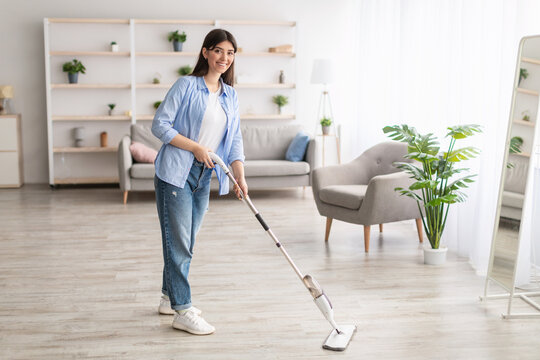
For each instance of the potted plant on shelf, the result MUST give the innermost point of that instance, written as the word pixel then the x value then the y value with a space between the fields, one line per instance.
pixel 156 105
pixel 185 70
pixel 177 39
pixel 114 46
pixel 157 78
pixel 325 124
pixel 526 116
pixel 434 189
pixel 523 74
pixel 280 101
pixel 73 69
pixel 111 108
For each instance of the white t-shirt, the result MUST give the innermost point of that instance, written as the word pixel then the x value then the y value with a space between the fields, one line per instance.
pixel 214 123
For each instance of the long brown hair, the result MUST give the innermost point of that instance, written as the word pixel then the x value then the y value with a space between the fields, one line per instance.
pixel 213 38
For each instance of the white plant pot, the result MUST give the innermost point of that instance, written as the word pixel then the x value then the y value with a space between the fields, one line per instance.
pixel 435 256
pixel 114 48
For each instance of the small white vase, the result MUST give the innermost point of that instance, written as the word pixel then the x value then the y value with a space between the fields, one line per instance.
pixel 434 256
pixel 114 48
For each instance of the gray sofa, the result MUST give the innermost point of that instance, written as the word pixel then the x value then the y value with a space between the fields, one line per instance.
pixel 265 165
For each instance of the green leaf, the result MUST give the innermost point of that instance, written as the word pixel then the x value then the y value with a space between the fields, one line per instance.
pixel 446 199
pixel 463 131
pixel 426 184
pixel 462 154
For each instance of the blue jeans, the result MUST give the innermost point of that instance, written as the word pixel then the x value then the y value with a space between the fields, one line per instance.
pixel 180 214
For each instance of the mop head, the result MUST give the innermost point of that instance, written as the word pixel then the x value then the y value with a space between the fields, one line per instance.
pixel 339 342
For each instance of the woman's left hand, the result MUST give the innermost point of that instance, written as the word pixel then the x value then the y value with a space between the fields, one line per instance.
pixel 242 185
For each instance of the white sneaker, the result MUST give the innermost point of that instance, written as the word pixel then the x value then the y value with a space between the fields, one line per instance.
pixel 165 307
pixel 191 322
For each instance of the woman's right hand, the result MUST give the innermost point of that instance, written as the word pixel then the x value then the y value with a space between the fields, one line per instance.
pixel 201 154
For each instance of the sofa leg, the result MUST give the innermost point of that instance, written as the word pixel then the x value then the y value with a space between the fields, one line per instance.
pixel 367 230
pixel 328 226
pixel 125 197
pixel 380 227
pixel 419 229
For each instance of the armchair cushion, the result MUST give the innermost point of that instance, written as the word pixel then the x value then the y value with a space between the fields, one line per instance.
pixel 142 171
pixel 297 149
pixel 143 134
pixel 347 196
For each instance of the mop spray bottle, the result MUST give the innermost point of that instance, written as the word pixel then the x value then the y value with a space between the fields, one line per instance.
pixel 320 298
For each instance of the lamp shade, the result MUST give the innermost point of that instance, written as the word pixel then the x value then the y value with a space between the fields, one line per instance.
pixel 322 72
pixel 6 91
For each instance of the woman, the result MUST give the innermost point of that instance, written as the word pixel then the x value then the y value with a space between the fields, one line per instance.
pixel 199 114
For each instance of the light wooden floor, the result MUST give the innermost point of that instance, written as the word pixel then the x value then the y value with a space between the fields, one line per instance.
pixel 80 278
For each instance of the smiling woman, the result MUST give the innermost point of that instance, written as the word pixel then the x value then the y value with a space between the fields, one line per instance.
pixel 199 115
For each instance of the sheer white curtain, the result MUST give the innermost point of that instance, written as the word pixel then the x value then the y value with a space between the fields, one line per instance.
pixel 433 64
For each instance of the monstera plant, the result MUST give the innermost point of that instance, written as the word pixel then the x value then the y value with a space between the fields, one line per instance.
pixel 437 182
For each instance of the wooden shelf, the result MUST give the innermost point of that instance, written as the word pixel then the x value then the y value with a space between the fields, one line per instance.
pixel 527 91
pixel 267 117
pixel 194 54
pixel 264 86
pixel 91 118
pixel 174 22
pixel 84 149
pixel 522 154
pixel 523 122
pixel 90 53
pixel 92 180
pixel 530 60
pixel 237 86
pixel 255 22
pixel 88 21
pixel 90 86
pixel 242 117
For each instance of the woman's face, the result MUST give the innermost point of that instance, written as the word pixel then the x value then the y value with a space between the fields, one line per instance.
pixel 220 57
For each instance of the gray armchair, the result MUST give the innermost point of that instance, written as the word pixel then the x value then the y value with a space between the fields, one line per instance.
pixel 362 191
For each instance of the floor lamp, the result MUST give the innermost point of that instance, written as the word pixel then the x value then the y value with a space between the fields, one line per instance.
pixel 322 73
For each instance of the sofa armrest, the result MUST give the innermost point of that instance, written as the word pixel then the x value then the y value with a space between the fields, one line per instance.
pixel 311 152
pixel 125 161
pixel 383 204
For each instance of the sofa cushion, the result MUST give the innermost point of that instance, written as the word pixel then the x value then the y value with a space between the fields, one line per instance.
pixel 347 196
pixel 268 143
pixel 297 148
pixel 516 175
pixel 512 199
pixel 275 168
pixel 143 134
pixel 142 171
pixel 142 153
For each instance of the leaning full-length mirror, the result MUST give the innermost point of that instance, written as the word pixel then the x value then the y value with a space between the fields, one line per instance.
pixel 517 169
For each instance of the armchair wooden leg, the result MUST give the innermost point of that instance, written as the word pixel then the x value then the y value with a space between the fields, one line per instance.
pixel 380 227
pixel 367 229
pixel 125 197
pixel 419 229
pixel 328 226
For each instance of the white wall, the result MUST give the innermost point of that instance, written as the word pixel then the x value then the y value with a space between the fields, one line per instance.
pixel 322 32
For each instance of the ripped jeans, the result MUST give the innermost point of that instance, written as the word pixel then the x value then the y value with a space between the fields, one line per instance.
pixel 180 213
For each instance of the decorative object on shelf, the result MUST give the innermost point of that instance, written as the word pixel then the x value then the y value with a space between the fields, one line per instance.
pixel 157 78
pixel 281 77
pixel 322 73
pixel 73 69
pixel 280 101
pixel 526 116
pixel 523 74
pixel 433 190
pixel 114 46
pixel 177 39
pixel 185 70
pixel 6 93
pixel 156 105
pixel 103 139
pixel 281 49
pixel 325 123
pixel 111 108
pixel 78 135
pixel 127 112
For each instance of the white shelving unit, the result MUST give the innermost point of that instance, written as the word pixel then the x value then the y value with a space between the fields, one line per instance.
pixel 125 78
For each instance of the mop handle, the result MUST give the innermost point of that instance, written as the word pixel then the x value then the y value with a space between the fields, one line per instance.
pixel 247 200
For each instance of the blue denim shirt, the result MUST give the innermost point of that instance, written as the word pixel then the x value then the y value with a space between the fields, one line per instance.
pixel 181 112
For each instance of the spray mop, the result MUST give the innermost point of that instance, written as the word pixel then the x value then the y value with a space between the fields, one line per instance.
pixel 341 335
